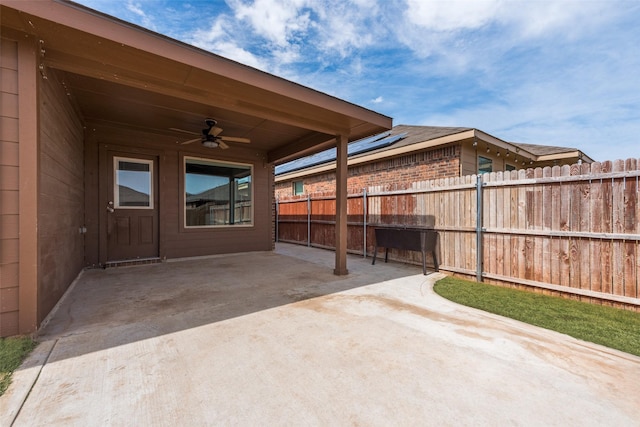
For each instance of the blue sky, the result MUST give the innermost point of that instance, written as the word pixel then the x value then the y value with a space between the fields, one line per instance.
pixel 553 72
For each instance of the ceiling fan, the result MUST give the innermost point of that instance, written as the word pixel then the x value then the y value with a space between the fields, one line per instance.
pixel 211 137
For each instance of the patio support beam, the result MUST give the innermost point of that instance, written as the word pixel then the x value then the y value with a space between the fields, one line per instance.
pixel 341 206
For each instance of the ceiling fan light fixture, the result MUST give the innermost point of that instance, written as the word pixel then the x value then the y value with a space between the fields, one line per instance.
pixel 210 143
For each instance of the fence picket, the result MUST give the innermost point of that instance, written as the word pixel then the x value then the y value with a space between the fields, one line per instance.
pixel 630 221
pixel 618 227
pixel 606 189
pixel 538 218
pixel 637 229
pixel 595 220
pixel 546 225
pixel 556 203
pixel 584 244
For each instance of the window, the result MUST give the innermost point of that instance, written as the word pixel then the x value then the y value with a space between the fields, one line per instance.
pixel 132 183
pixel 509 168
pixel 298 188
pixel 217 193
pixel 485 165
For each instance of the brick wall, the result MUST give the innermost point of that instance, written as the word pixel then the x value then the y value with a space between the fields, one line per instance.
pixel 395 173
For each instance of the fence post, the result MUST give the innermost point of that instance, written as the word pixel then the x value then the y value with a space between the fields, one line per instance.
pixel 364 222
pixel 277 217
pixel 479 210
pixel 309 220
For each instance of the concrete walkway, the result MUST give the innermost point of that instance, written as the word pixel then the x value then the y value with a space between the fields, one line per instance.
pixel 277 339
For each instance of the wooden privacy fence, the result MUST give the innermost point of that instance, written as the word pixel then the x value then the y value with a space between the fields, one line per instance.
pixel 570 229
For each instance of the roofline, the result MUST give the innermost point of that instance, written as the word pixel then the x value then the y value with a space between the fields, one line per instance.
pixel 431 143
pixel 369 157
pixel 82 18
pixel 565 155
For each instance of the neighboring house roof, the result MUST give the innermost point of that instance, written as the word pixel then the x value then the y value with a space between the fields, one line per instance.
pixel 132 197
pixel 219 194
pixel 542 151
pixel 376 142
pixel 417 134
pixel 399 136
pixel 402 139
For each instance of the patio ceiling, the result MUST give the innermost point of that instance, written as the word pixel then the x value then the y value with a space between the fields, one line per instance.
pixel 125 78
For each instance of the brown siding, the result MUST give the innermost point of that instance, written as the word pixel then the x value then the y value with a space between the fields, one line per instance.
pixel 179 242
pixel 470 156
pixel 9 188
pixel 175 240
pixel 468 160
pixel 61 195
pixel 91 201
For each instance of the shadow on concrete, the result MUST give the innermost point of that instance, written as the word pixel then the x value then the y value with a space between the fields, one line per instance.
pixel 117 306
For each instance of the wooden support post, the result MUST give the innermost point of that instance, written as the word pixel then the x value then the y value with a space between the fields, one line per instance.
pixel 341 206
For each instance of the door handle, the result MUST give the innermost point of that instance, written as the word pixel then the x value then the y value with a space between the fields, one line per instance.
pixel 110 207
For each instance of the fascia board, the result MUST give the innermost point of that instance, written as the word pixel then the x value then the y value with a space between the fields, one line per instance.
pixel 565 155
pixel 504 145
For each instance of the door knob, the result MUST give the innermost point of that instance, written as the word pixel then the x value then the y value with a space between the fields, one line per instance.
pixel 110 207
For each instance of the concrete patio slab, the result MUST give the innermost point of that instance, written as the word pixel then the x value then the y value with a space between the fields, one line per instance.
pixel 277 339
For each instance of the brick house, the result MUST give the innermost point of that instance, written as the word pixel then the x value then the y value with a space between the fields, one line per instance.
pixel 408 154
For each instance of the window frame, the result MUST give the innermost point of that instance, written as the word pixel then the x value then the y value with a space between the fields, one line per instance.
pixel 116 192
pixel 222 163
pixel 294 189
pixel 490 160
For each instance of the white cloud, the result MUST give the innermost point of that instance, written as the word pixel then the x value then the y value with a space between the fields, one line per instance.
pixel 277 21
pixel 219 38
pixel 377 100
pixel 526 18
pixel 465 34
pixel 343 26
pixel 451 15
pixel 279 36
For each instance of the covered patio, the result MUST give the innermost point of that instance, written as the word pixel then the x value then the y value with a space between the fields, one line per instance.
pixel 274 338
pixel 120 145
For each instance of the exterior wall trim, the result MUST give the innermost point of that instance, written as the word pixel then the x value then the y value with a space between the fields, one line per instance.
pixel 28 175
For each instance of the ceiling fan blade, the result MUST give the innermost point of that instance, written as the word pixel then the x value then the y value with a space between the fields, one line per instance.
pixel 235 139
pixel 222 145
pixel 191 141
pixel 215 131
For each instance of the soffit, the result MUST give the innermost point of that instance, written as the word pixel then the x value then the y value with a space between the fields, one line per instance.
pixel 126 76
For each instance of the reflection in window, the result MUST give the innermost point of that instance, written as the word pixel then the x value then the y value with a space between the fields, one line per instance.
pixel 485 165
pixel 133 183
pixel 217 193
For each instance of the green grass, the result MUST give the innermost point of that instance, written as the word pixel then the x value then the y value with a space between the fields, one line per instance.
pixel 12 353
pixel 608 326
